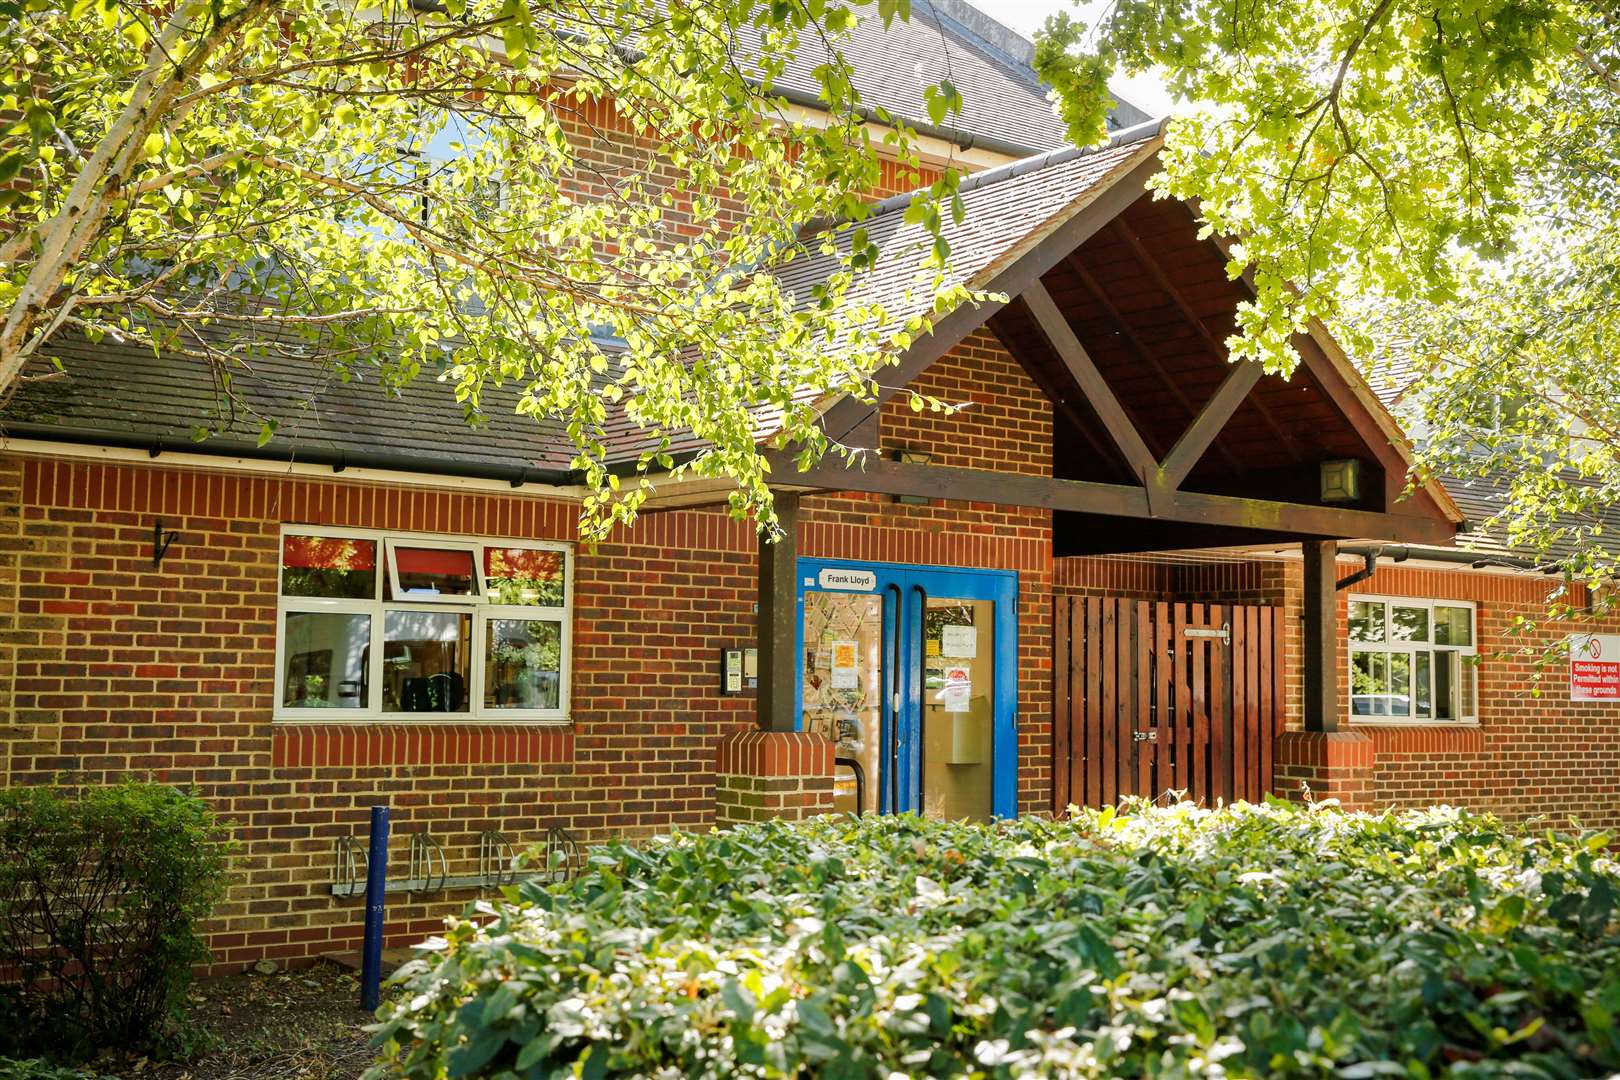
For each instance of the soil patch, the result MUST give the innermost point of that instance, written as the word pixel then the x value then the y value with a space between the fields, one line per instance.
pixel 304 1024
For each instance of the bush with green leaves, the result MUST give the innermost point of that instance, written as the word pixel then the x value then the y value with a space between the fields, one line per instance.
pixel 38 1069
pixel 1249 941
pixel 101 895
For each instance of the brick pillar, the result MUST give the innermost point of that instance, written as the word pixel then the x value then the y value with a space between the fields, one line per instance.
pixel 1333 764
pixel 772 774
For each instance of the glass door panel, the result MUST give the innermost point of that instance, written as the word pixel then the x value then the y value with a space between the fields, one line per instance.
pixel 958 708
pixel 911 671
pixel 842 689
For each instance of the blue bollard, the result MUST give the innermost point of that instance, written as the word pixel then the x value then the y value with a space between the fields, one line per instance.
pixel 376 884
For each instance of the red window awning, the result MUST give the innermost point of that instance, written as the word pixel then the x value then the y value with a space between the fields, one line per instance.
pixel 434 561
pixel 328 553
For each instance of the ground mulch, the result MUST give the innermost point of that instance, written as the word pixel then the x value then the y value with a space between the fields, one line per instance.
pixel 304 1024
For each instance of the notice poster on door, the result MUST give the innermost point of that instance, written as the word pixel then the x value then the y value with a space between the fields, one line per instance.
pixel 844 673
pixel 961 642
pixel 958 688
pixel 1594 667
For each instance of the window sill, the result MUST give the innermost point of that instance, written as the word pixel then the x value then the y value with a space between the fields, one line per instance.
pixel 418 720
pixel 1397 722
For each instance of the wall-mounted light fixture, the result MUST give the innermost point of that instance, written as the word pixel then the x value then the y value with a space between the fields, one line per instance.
pixel 1341 481
pixel 912 457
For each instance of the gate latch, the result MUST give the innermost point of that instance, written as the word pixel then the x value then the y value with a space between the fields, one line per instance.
pixel 1224 633
pixel 1144 736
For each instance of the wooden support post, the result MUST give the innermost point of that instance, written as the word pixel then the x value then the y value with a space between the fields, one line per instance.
pixel 778 618
pixel 1321 635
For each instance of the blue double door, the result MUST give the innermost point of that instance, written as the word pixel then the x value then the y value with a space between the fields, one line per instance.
pixel 912 671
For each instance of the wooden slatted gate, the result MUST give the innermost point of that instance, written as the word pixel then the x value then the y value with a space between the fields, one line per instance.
pixel 1152 696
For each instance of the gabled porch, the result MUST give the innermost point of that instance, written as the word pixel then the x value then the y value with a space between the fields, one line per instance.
pixel 1118 312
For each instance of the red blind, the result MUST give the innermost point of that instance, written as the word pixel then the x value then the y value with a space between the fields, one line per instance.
pixel 433 561
pixel 328 553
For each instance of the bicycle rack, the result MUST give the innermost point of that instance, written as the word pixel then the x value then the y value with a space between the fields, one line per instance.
pixel 497 859
pixel 573 859
pixel 351 867
pixel 428 866
pixel 423 852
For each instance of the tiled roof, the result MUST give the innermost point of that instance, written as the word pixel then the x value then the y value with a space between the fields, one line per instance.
pixel 1483 497
pixel 1004 103
pixel 127 395
pixel 1397 381
pixel 1008 210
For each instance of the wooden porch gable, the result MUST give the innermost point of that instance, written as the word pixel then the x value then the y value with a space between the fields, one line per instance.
pixel 1120 315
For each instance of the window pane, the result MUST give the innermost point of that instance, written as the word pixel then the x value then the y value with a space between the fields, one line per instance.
pixel 1448 690
pixel 326 660
pixel 524 667
pixel 1400 684
pixel 1453 626
pixel 1423 692
pixel 842 680
pixel 1409 624
pixel 425 661
pixel 330 566
pixel 1366 620
pixel 425 571
pixel 527 576
pixel 1467 674
pixel 1367 675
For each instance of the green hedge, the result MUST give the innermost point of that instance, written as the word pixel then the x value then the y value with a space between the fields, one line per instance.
pixel 101 897
pixel 1251 941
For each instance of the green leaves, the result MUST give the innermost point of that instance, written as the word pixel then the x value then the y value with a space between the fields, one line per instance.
pixel 586 223
pixel 943 100
pixel 1323 944
pixel 105 893
pixel 1437 183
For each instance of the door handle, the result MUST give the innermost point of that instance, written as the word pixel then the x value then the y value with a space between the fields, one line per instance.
pixel 1144 736
pixel 891 672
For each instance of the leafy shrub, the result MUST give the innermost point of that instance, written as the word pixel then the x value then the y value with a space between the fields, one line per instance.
pixel 1250 941
pixel 36 1069
pixel 100 897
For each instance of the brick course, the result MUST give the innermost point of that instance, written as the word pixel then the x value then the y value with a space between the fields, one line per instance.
pixel 761 775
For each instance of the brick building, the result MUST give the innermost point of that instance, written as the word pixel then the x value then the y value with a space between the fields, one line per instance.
pixel 1113 572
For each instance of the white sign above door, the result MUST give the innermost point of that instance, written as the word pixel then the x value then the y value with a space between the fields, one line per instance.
pixel 852 580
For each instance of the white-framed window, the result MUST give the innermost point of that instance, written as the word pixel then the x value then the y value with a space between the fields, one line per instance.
pixel 1412 661
pixel 392 626
pixel 434 571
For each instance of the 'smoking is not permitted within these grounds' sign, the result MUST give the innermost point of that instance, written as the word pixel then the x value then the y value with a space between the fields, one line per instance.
pixel 1594 667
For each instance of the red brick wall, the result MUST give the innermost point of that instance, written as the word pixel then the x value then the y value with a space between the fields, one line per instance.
pixel 608 150
pixel 1007 427
pixel 110 667
pixel 1529 755
pixel 763 775
pixel 1151 577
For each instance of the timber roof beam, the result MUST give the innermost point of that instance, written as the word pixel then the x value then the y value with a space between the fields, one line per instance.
pixel 1162 475
pixel 1151 503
